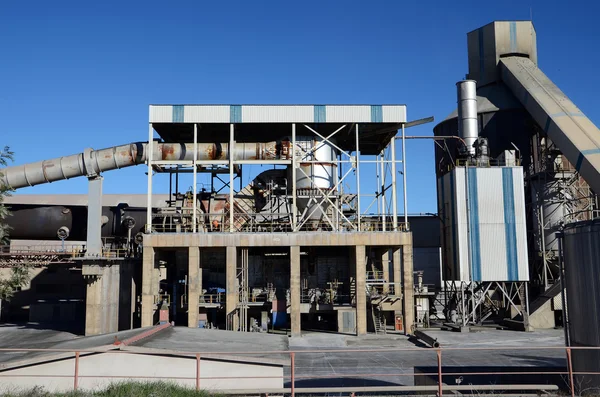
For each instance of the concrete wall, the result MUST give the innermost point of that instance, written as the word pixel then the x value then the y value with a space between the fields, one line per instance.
pixel 96 370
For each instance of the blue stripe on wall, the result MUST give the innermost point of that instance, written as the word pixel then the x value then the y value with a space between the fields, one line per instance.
pixel 513 37
pixel 581 156
pixel 320 114
pixel 376 114
pixel 474 225
pixel 510 227
pixel 456 266
pixel 178 111
pixel 235 113
pixel 481 63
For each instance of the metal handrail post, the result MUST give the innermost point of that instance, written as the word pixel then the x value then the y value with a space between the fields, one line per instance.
pixel 76 375
pixel 439 361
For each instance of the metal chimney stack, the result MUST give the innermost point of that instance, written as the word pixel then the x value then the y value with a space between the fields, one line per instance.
pixel 467 113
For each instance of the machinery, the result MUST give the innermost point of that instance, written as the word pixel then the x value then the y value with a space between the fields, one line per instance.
pixel 521 119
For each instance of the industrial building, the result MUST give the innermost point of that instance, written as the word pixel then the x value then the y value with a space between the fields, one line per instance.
pixel 286 216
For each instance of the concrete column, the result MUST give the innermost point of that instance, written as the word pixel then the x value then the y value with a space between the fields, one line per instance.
pixel 361 288
pixel 232 296
pixel 397 270
pixel 194 285
pixel 385 265
pixel 148 277
pixel 295 290
pixel 409 298
pixel 102 299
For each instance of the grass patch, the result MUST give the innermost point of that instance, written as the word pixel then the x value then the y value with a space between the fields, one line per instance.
pixel 125 389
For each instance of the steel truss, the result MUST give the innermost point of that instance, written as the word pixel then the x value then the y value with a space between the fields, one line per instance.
pixel 472 303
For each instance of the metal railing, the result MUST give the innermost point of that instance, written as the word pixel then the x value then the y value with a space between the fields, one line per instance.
pixel 219 223
pixel 433 357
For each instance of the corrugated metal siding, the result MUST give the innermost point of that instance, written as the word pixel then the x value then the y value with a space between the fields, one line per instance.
pixel 277 114
pixel 161 114
pixel 582 267
pixel 281 113
pixel 348 114
pixel 394 114
pixel 206 114
pixel 489 224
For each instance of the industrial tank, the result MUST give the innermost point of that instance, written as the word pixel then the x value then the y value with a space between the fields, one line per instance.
pixel 581 250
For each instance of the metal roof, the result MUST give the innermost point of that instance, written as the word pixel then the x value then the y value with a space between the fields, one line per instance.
pixel 263 123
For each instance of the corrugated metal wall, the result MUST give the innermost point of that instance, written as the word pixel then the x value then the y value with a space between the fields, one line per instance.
pixel 484 231
pixel 277 113
pixel 581 250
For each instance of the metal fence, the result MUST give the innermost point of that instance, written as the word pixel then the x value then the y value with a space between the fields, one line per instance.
pixel 292 376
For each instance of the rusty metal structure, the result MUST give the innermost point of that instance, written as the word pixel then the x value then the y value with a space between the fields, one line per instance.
pixel 209 251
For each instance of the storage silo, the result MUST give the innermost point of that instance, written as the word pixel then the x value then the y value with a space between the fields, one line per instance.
pixel 581 252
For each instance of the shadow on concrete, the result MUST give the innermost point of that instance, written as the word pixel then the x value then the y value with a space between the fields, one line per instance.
pixel 342 382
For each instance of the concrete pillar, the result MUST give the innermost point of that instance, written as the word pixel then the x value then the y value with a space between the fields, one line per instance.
pixel 295 290
pixel 232 295
pixel 102 299
pixel 148 278
pixel 194 285
pixel 397 270
pixel 361 288
pixel 385 265
pixel 408 290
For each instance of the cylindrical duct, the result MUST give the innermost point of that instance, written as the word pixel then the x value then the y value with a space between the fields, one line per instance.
pixel 92 162
pixel 467 113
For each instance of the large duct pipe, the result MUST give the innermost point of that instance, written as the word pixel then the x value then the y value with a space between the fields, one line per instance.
pixel 467 113
pixel 92 162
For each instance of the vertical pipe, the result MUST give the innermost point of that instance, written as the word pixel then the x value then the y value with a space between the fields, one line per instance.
pixel 378 192
pixel 394 186
pixel 294 204
pixel 231 162
pixel 198 371
pixel 570 365
pixel 406 225
pixel 195 182
pixel 149 198
pixel 382 188
pixel 76 376
pixel 293 373
pixel 358 209
pixel 439 363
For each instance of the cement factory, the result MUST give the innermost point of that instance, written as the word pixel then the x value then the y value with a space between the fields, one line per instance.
pixel 307 245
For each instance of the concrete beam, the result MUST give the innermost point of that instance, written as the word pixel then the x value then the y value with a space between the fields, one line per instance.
pixel 232 295
pixel 361 287
pixel 408 290
pixel 148 306
pixel 316 239
pixel 295 290
pixel 194 285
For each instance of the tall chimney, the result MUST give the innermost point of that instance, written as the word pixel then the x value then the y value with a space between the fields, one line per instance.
pixel 467 113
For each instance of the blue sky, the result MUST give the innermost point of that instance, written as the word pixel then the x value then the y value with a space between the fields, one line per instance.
pixel 81 74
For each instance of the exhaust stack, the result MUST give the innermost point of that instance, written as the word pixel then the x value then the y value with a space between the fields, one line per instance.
pixel 468 128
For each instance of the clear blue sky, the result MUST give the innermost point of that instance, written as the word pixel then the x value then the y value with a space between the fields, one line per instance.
pixel 78 74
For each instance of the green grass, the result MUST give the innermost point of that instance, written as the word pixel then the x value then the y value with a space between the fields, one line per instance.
pixel 126 389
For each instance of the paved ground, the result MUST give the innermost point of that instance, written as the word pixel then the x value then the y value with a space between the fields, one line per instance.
pixel 29 337
pixel 330 359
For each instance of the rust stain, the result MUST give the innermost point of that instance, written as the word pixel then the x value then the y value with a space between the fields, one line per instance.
pixel 211 152
pixel 168 152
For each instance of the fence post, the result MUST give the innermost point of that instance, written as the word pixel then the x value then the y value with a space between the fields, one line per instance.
pixel 76 377
pixel 198 371
pixel 439 362
pixel 570 367
pixel 292 372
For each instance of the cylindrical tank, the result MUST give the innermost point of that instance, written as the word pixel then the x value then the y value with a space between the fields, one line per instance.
pixel 317 171
pixel 581 250
pixel 467 113
pixel 39 223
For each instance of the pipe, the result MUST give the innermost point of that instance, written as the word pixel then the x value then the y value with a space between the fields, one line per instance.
pixel 426 338
pixel 93 162
pixel 467 113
